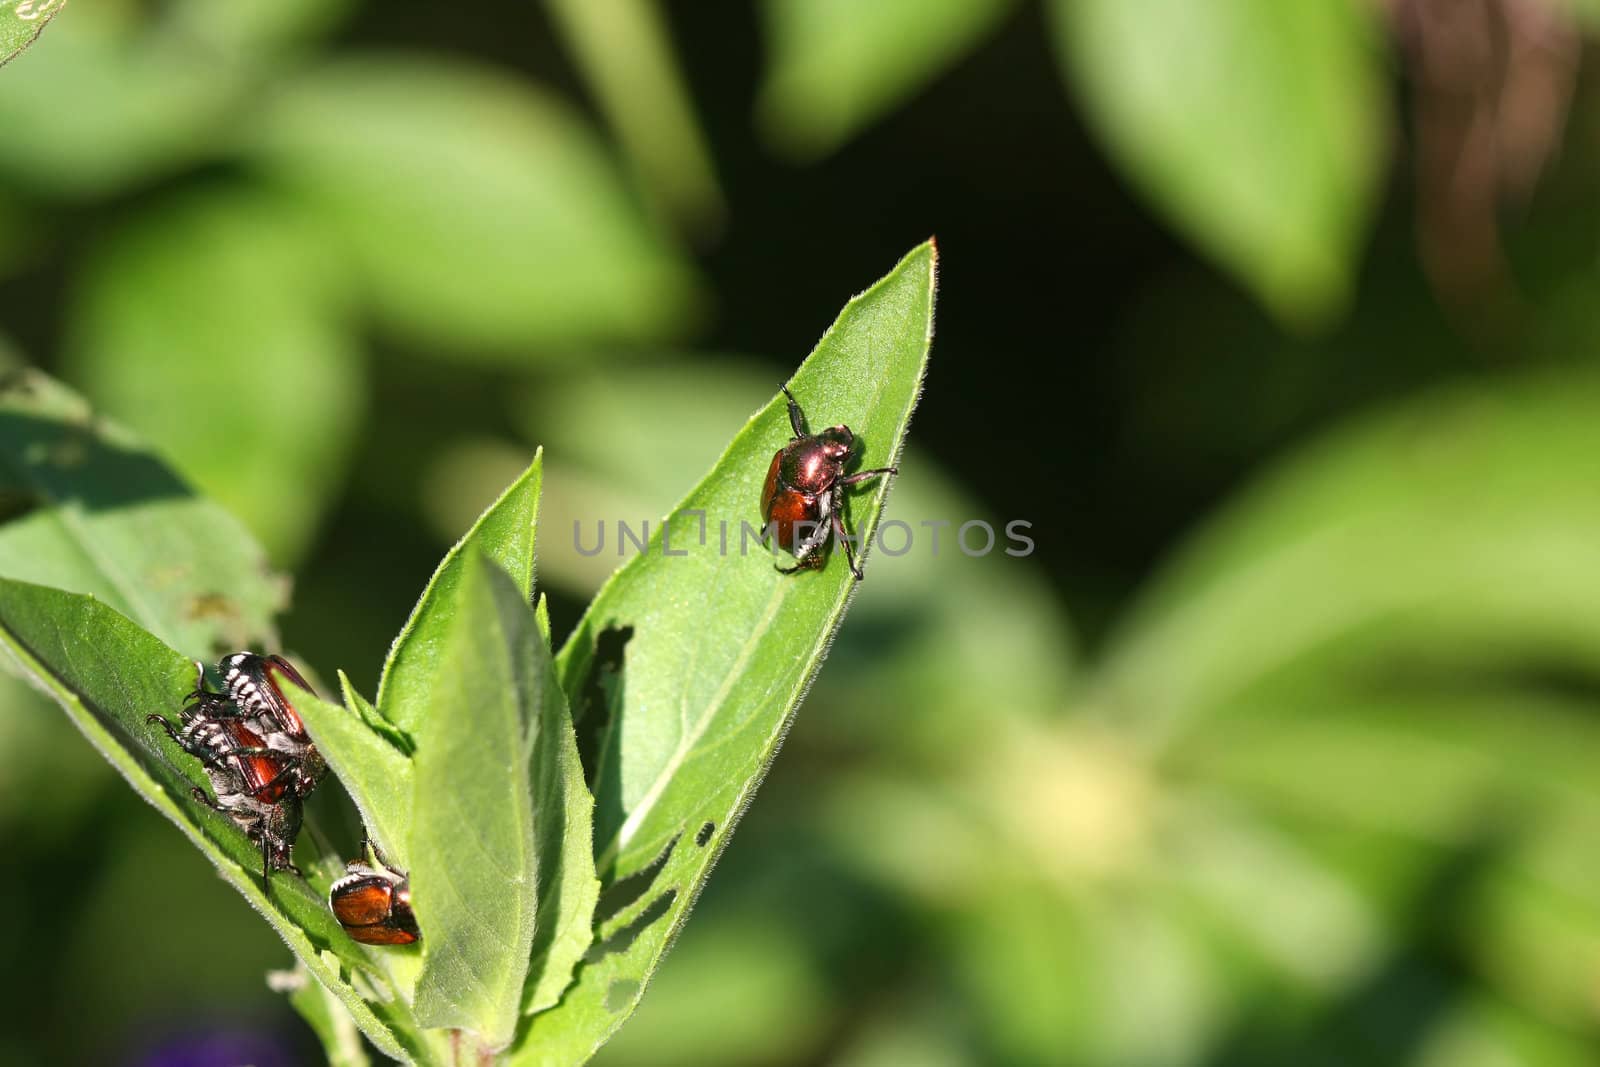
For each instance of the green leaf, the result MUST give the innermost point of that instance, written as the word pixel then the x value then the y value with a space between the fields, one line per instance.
pixel 84 507
pixel 21 23
pixel 1446 755
pixel 115 96
pixel 1448 534
pixel 224 302
pixel 631 440
pixel 625 54
pixel 125 91
pixel 257 29
pixel 474 858
pixel 108 675
pixel 686 670
pixel 375 773
pixel 368 714
pixel 563 812
pixel 505 533
pixel 837 65
pixel 1255 126
pixel 495 234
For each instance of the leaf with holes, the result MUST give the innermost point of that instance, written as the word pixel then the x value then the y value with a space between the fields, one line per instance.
pixel 686 671
pixel 108 675
pixel 86 508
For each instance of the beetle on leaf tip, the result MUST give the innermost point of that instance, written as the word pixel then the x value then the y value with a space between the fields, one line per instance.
pixel 805 488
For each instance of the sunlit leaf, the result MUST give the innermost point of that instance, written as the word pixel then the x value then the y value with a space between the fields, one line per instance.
pixel 563 812
pixel 85 507
pixel 1449 534
pixel 474 870
pixel 480 212
pixel 506 534
pixel 108 99
pixel 687 669
pixel 243 29
pixel 625 53
pixel 836 65
pixel 1255 126
pixel 212 326
pixel 375 773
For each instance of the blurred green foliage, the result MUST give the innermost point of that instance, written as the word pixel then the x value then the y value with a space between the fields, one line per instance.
pixel 1314 784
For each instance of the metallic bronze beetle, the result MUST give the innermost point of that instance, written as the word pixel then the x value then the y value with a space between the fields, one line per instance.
pixel 803 498
pixel 373 903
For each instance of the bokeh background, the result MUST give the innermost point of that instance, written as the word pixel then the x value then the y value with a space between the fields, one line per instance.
pixel 1277 320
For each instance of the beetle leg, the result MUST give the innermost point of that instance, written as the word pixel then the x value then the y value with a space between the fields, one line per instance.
pixel 861 476
pixel 172 731
pixel 797 418
pixel 849 544
pixel 191 746
pixel 266 867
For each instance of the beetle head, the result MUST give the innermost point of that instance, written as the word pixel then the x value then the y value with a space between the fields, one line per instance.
pixel 837 441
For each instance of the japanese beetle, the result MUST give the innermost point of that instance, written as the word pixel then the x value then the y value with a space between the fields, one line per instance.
pixel 805 489
pixel 254 784
pixel 373 903
pixel 252 686
pixel 257 756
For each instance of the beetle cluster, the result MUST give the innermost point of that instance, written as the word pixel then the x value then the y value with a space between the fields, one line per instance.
pixel 254 749
pixel 262 765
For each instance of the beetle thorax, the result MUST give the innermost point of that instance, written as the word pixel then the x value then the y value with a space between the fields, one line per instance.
pixel 811 465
